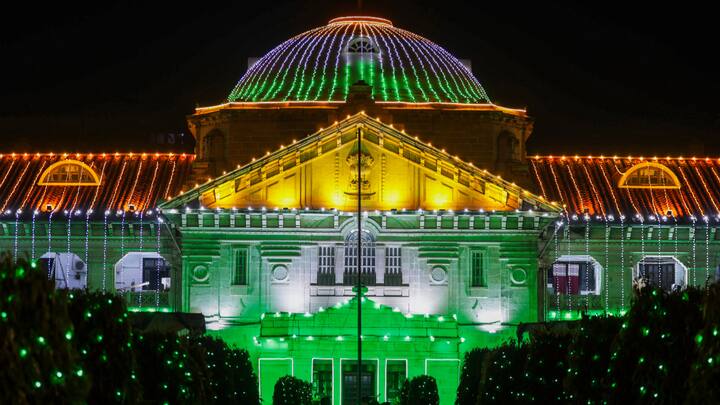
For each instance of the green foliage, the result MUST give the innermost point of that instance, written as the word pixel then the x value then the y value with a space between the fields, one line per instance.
pixel 292 391
pixel 229 371
pixel 589 358
pixel 653 352
pixel 420 390
pixel 643 357
pixel 78 347
pixel 103 336
pixel 39 363
pixel 705 373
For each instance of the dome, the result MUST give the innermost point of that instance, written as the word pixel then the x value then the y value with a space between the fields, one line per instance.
pixel 322 64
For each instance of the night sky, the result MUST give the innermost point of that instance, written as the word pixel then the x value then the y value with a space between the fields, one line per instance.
pixel 598 78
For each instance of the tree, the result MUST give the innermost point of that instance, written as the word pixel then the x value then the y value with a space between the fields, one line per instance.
pixel 292 391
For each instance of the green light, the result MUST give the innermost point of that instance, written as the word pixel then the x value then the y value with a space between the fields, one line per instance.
pixel 58 374
pixel 79 373
pixel 3 315
pixel 41 340
pixel 20 272
pixel 38 384
pixel 68 335
pixel 23 353
pixel 645 331
pixel 699 338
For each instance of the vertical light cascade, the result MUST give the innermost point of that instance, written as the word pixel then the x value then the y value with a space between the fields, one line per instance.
pixel 659 243
pixel 157 262
pixel 15 245
pixel 104 262
pixel 69 251
pixel 122 245
pixel 87 243
pixel 694 251
pixel 322 50
pixel 606 273
pixel 49 237
pixel 707 252
pixel 622 263
pixel 567 252
pixel 385 52
pixel 558 225
pixel 587 262
pixel 278 84
pixel 372 33
pixel 361 61
pixel 336 68
pixel 424 66
pixel 139 296
pixel 412 66
pixel 302 66
pixel 32 237
pixel 423 44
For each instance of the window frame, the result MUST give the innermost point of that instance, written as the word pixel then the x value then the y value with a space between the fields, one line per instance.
pixel 240 278
pixel 580 260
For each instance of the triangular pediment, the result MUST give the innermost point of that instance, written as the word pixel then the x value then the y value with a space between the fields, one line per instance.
pixel 396 171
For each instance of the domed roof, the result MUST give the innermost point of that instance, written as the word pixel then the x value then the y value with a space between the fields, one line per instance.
pixel 322 64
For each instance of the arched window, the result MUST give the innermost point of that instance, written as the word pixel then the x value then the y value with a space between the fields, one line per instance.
pixel 649 175
pixel 69 172
pixel 575 275
pixel 664 272
pixel 67 269
pixel 361 45
pixel 367 276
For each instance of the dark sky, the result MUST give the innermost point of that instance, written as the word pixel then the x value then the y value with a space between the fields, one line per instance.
pixel 597 77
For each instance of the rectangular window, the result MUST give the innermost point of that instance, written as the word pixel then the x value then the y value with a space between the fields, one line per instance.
pixel 658 272
pixel 572 278
pixel 154 271
pixel 322 381
pixel 240 269
pixel 326 265
pixel 393 266
pixel 395 375
pixel 477 270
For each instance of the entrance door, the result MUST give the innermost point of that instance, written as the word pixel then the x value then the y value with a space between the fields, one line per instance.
pixel 350 381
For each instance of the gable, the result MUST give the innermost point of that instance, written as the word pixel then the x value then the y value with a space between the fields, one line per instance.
pixel 397 172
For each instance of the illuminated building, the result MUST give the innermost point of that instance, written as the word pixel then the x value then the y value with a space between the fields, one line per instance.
pixel 455 256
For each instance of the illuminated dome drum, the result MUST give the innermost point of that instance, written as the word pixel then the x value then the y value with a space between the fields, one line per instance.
pixel 322 64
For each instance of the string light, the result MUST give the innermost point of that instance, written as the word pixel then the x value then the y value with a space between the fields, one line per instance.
pixel 299 69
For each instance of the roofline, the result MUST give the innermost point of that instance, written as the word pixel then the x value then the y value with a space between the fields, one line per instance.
pixel 353 120
pixel 629 157
pixel 66 155
pixel 333 104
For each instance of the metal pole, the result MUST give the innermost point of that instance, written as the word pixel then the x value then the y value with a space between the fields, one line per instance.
pixel 359 268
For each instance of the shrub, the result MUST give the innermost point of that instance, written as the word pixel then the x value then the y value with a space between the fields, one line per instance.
pixel 292 391
pixel 103 337
pixel 653 352
pixel 472 372
pixel 230 374
pixel 38 353
pixel 420 390
pixel 703 384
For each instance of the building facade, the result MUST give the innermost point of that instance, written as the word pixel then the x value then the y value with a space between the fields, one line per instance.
pixel 463 238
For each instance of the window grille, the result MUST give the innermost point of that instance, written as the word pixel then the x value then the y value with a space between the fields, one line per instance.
pixel 350 274
pixel 326 265
pixel 240 270
pixel 393 266
pixel 477 270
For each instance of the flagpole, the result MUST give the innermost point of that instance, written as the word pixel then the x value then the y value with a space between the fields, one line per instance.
pixel 359 267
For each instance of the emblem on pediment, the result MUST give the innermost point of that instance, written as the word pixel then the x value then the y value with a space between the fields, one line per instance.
pixel 359 181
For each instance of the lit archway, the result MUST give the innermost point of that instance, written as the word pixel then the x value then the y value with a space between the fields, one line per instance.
pixel 649 175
